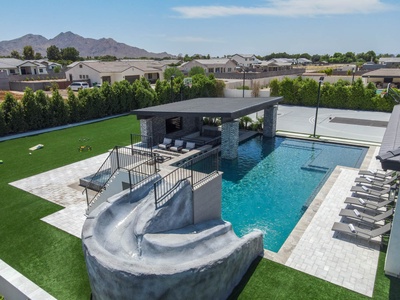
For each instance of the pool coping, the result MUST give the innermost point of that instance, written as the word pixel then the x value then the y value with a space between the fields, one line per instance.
pixel 291 242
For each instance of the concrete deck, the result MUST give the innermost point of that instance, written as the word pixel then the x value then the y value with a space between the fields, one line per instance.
pixel 312 248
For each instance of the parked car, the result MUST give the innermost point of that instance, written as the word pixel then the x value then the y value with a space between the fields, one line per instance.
pixel 76 86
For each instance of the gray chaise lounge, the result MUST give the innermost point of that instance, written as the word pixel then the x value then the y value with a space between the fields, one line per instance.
pixel 377 181
pixel 361 216
pixel 360 232
pixel 363 189
pixel 363 202
pixel 377 173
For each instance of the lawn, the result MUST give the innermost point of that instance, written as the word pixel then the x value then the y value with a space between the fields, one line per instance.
pixel 54 260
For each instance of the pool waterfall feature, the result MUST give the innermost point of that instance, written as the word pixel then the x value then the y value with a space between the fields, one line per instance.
pixel 181 249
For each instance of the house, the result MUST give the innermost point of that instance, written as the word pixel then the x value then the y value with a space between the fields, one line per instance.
pixel 246 60
pixel 370 65
pixel 15 66
pixel 113 71
pixel 275 64
pixel 213 65
pixel 382 77
pixel 303 61
pixel 50 65
pixel 390 62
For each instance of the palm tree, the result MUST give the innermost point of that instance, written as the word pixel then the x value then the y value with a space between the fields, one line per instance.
pixel 244 121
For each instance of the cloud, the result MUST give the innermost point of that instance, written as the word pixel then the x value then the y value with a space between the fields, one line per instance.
pixel 288 8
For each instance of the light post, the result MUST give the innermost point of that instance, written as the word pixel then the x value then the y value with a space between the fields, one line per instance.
pixel 321 79
pixel 352 80
pixel 243 69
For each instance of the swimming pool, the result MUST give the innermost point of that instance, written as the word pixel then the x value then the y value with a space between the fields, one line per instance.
pixel 273 181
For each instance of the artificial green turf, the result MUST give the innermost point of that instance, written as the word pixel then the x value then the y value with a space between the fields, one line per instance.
pixel 48 256
pixel 54 260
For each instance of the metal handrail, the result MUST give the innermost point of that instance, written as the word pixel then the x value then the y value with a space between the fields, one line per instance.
pixel 196 170
pixel 126 158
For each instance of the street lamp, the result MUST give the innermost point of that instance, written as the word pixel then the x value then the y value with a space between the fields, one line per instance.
pixel 243 69
pixel 321 79
pixel 354 71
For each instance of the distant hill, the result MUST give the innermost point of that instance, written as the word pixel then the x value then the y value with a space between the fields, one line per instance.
pixel 85 46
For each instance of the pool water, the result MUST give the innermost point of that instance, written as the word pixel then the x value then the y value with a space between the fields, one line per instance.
pixel 273 180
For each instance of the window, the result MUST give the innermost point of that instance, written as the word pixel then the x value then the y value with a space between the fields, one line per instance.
pixel 80 76
pixel 229 70
pixel 40 70
pixel 80 66
pixel 149 76
pixel 173 124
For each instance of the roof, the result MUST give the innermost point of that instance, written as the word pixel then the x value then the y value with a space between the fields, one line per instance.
pixel 384 72
pixel 213 61
pixel 121 66
pixel 390 59
pixel 391 141
pixel 230 108
pixel 244 55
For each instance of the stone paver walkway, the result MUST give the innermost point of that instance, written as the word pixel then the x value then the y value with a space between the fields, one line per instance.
pixel 338 259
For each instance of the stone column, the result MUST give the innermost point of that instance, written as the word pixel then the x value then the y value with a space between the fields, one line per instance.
pixel 146 129
pixel 230 139
pixel 270 117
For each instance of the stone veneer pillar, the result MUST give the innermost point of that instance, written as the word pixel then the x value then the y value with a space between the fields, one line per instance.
pixel 146 129
pixel 230 139
pixel 270 116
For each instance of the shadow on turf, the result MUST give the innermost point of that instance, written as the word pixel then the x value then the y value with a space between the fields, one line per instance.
pixel 239 288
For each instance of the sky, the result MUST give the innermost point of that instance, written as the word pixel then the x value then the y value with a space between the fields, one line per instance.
pixel 216 28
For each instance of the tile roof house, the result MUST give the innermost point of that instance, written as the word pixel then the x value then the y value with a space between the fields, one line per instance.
pixel 113 71
pixel 15 66
pixel 390 62
pixel 213 65
pixel 245 60
pixel 382 77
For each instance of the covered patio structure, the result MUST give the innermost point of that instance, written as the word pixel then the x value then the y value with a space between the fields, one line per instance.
pixel 389 156
pixel 184 118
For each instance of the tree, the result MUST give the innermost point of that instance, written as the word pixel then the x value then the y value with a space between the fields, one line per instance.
pixel 38 55
pixel 15 54
pixel 174 71
pixel 196 70
pixel 32 110
pixel 13 114
pixel 70 53
pixel 28 53
pixel 3 126
pixel 53 53
pixel 58 109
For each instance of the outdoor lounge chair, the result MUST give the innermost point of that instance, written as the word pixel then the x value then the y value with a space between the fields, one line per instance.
pixel 165 144
pixel 178 145
pixel 189 146
pixel 368 203
pixel 358 215
pixel 377 173
pixel 360 232
pixel 363 189
pixel 377 181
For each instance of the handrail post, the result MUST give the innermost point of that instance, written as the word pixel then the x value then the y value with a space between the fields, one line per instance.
pixel 130 180
pixel 116 151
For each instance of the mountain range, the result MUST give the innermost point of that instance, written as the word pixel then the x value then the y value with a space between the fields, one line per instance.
pixel 87 47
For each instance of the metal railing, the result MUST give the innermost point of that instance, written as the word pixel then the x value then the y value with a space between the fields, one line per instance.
pixel 143 142
pixel 127 158
pixel 196 170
